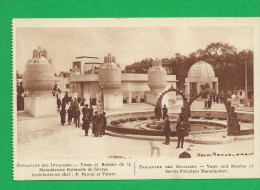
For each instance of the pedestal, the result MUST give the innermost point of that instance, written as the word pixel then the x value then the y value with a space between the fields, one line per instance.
pixel 40 106
pixel 113 100
pixel 152 98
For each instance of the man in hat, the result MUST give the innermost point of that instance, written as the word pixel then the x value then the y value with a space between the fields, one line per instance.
pixel 85 125
pixel 85 110
pixel 167 130
pixel 181 129
pixel 77 117
pixel 165 111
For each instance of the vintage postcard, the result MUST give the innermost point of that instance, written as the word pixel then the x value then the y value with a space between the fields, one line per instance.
pixel 150 98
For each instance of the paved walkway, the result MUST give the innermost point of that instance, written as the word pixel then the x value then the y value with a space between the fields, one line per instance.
pixel 45 138
pixel 57 142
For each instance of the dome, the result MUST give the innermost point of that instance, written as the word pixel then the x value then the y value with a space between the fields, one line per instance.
pixel 201 70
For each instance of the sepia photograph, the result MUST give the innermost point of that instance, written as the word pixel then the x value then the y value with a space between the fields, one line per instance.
pixel 112 99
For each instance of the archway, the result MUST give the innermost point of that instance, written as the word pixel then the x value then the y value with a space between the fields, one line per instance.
pixel 171 89
pixel 233 127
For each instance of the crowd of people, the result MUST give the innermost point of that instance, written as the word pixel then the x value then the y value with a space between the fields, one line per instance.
pixel 90 119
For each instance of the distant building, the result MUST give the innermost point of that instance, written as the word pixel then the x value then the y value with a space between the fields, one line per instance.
pixel 143 67
pixel 241 93
pixel 62 84
pixel 199 74
pixel 86 65
pixel 86 81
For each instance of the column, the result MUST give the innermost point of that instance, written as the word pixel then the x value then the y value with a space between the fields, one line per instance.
pixel 129 97
pixel 198 88
pixel 187 89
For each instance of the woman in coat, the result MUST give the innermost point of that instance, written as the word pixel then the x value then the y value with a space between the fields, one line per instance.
pixel 99 124
pixel 70 114
pixel 62 116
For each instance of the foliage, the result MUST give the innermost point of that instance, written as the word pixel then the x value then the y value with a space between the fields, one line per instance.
pixel 122 120
pixel 195 117
pixel 153 117
pixel 228 64
pixel 115 122
pixel 142 118
pixel 132 119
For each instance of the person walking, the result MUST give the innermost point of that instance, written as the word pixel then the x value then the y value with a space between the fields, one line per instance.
pixel 77 117
pixel 104 123
pixel 94 122
pixel 165 111
pixel 62 116
pixel 91 111
pixel 159 112
pixel 98 128
pixel 58 104
pixel 167 130
pixel 209 103
pixel 85 125
pixel 217 99
pixel 85 110
pixel 205 103
pixel 156 112
pixel 70 114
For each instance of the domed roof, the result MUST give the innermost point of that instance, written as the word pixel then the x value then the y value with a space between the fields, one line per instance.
pixel 202 70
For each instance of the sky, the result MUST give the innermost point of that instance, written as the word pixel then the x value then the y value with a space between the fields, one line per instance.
pixel 127 44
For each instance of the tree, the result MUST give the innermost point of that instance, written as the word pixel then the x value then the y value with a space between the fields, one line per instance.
pixel 222 54
pixel 18 75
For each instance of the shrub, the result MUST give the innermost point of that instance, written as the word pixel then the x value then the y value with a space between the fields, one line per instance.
pixel 132 119
pixel 122 120
pixel 209 118
pixel 195 117
pixel 147 125
pixel 142 118
pixel 245 121
pixel 115 122
pixel 222 118
pixel 153 117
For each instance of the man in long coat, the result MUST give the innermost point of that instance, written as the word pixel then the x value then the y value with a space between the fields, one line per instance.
pixel 165 111
pixel 167 130
pixel 85 125
pixel 62 116
pixel 77 117
pixel 70 114
pixel 94 122
pixel 181 129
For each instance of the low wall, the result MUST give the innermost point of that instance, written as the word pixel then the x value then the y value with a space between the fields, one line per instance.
pixel 246 117
pixel 242 116
pixel 137 131
pixel 136 115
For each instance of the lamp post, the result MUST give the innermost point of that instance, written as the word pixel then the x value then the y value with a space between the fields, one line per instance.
pixel 100 100
pixel 246 97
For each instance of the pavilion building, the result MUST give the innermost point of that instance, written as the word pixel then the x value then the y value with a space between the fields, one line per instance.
pixel 199 74
pixel 91 75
